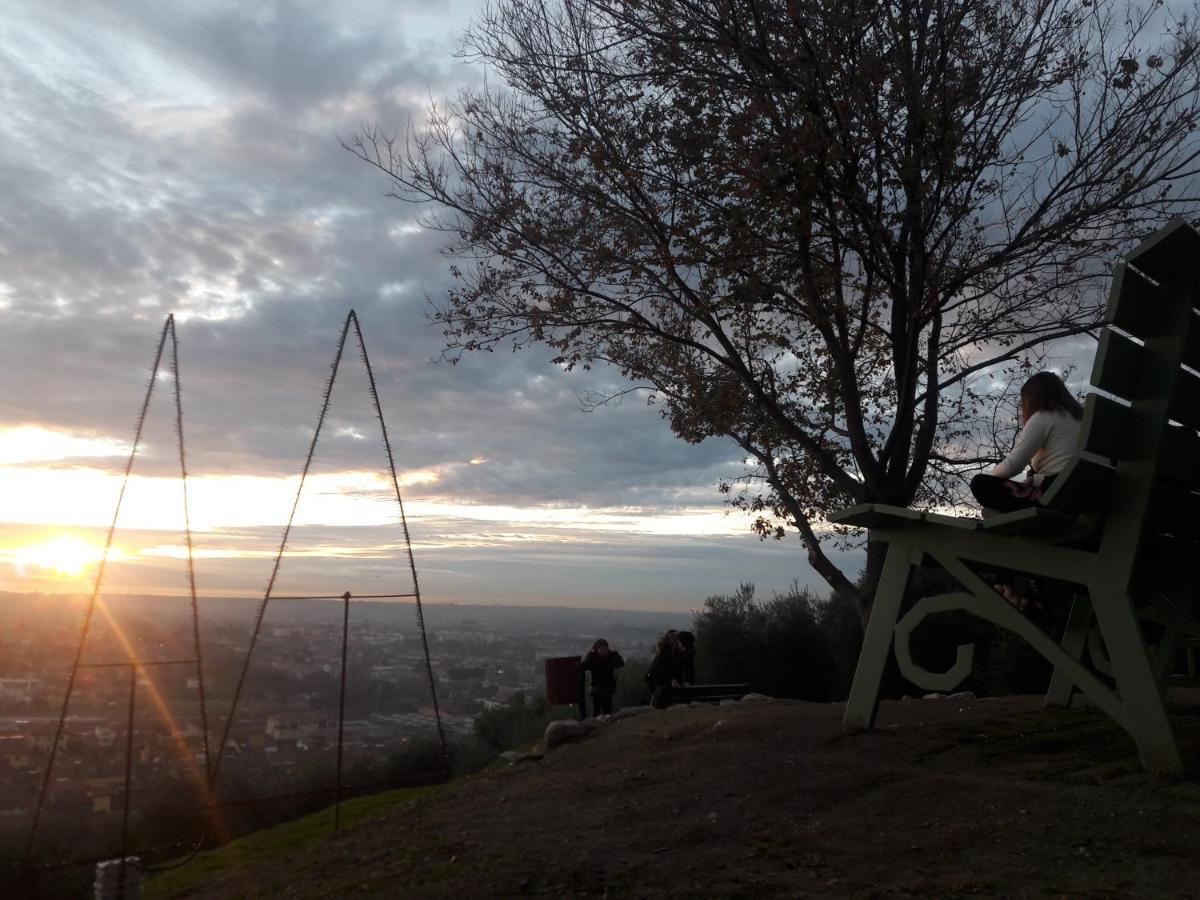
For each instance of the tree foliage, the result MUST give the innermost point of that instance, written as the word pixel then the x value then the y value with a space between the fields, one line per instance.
pixel 804 647
pixel 794 645
pixel 809 226
pixel 520 722
pixel 632 689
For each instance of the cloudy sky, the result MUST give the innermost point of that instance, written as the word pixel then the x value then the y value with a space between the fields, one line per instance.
pixel 183 158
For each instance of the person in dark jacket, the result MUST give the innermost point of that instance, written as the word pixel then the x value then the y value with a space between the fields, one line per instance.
pixel 603 663
pixel 661 673
pixel 684 668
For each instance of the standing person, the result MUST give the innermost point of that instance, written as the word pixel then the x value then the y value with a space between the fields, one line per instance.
pixel 1050 419
pixel 661 673
pixel 685 659
pixel 603 663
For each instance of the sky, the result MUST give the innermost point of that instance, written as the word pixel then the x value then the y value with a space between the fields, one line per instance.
pixel 183 158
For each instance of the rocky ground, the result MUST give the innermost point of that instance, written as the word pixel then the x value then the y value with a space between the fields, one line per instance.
pixel 947 797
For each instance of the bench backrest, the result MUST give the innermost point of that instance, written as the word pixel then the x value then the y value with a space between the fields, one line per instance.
pixel 1138 460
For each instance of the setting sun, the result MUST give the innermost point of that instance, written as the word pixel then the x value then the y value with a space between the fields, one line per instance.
pixel 63 554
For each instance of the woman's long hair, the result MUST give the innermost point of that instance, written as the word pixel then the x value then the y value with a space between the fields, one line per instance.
pixel 1045 391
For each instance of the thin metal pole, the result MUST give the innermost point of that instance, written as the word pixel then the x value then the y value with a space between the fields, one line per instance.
pixel 128 775
pixel 337 801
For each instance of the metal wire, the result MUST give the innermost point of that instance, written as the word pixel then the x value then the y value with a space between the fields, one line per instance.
pixel 262 607
pixel 387 446
pixel 214 772
pixel 340 596
pixel 351 317
pixel 212 765
pixel 133 663
pixel 191 566
pixel 76 664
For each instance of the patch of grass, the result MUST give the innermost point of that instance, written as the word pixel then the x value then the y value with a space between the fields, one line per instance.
pixel 271 842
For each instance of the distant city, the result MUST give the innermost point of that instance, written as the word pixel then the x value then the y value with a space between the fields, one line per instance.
pixel 285 732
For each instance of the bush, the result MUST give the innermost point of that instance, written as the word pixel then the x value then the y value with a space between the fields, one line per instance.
pixel 470 754
pixel 800 646
pixel 507 727
pixel 631 683
pixel 794 645
pixel 417 761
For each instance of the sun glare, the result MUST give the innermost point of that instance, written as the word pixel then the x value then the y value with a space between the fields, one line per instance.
pixel 64 555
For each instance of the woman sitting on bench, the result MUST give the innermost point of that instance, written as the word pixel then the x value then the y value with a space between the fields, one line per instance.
pixel 1049 431
pixel 1050 419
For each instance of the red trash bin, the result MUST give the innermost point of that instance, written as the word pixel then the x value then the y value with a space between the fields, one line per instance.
pixel 562 680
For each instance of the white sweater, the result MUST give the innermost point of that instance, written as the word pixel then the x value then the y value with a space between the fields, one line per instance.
pixel 1047 443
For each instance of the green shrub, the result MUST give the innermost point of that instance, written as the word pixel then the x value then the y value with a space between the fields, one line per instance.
pixel 508 727
pixel 794 645
pixel 801 646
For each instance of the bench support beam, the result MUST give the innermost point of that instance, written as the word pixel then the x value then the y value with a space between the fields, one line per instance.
pixel 863 702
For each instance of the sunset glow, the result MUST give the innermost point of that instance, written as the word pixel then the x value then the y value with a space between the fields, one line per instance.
pixel 32 443
pixel 63 555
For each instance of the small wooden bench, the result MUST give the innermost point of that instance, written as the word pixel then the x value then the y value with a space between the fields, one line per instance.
pixel 1122 521
pixel 701 693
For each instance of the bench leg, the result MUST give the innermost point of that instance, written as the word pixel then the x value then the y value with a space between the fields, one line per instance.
pixel 1141 693
pixel 863 702
pixel 1079 621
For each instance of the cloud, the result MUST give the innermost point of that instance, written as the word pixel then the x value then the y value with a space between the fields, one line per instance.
pixel 457 562
pixel 183 158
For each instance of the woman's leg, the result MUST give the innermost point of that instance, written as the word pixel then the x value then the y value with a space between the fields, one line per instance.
pixel 1000 494
pixel 997 495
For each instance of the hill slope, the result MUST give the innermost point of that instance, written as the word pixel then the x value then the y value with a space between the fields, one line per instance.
pixel 946 798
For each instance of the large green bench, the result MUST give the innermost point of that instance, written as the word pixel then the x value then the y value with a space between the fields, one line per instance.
pixel 1121 522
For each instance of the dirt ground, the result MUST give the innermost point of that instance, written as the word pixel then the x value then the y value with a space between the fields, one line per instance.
pixel 946 798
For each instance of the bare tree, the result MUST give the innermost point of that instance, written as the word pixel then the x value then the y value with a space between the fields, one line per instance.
pixel 809 226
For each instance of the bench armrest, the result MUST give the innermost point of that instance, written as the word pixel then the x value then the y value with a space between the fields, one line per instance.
pixel 1035 522
pixel 880 515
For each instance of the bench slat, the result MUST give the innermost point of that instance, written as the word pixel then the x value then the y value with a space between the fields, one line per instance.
pixel 1134 303
pixel 1102 431
pixel 1118 361
pixel 1180 459
pixel 874 515
pixel 1169 254
pixel 1191 352
pixel 1185 403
